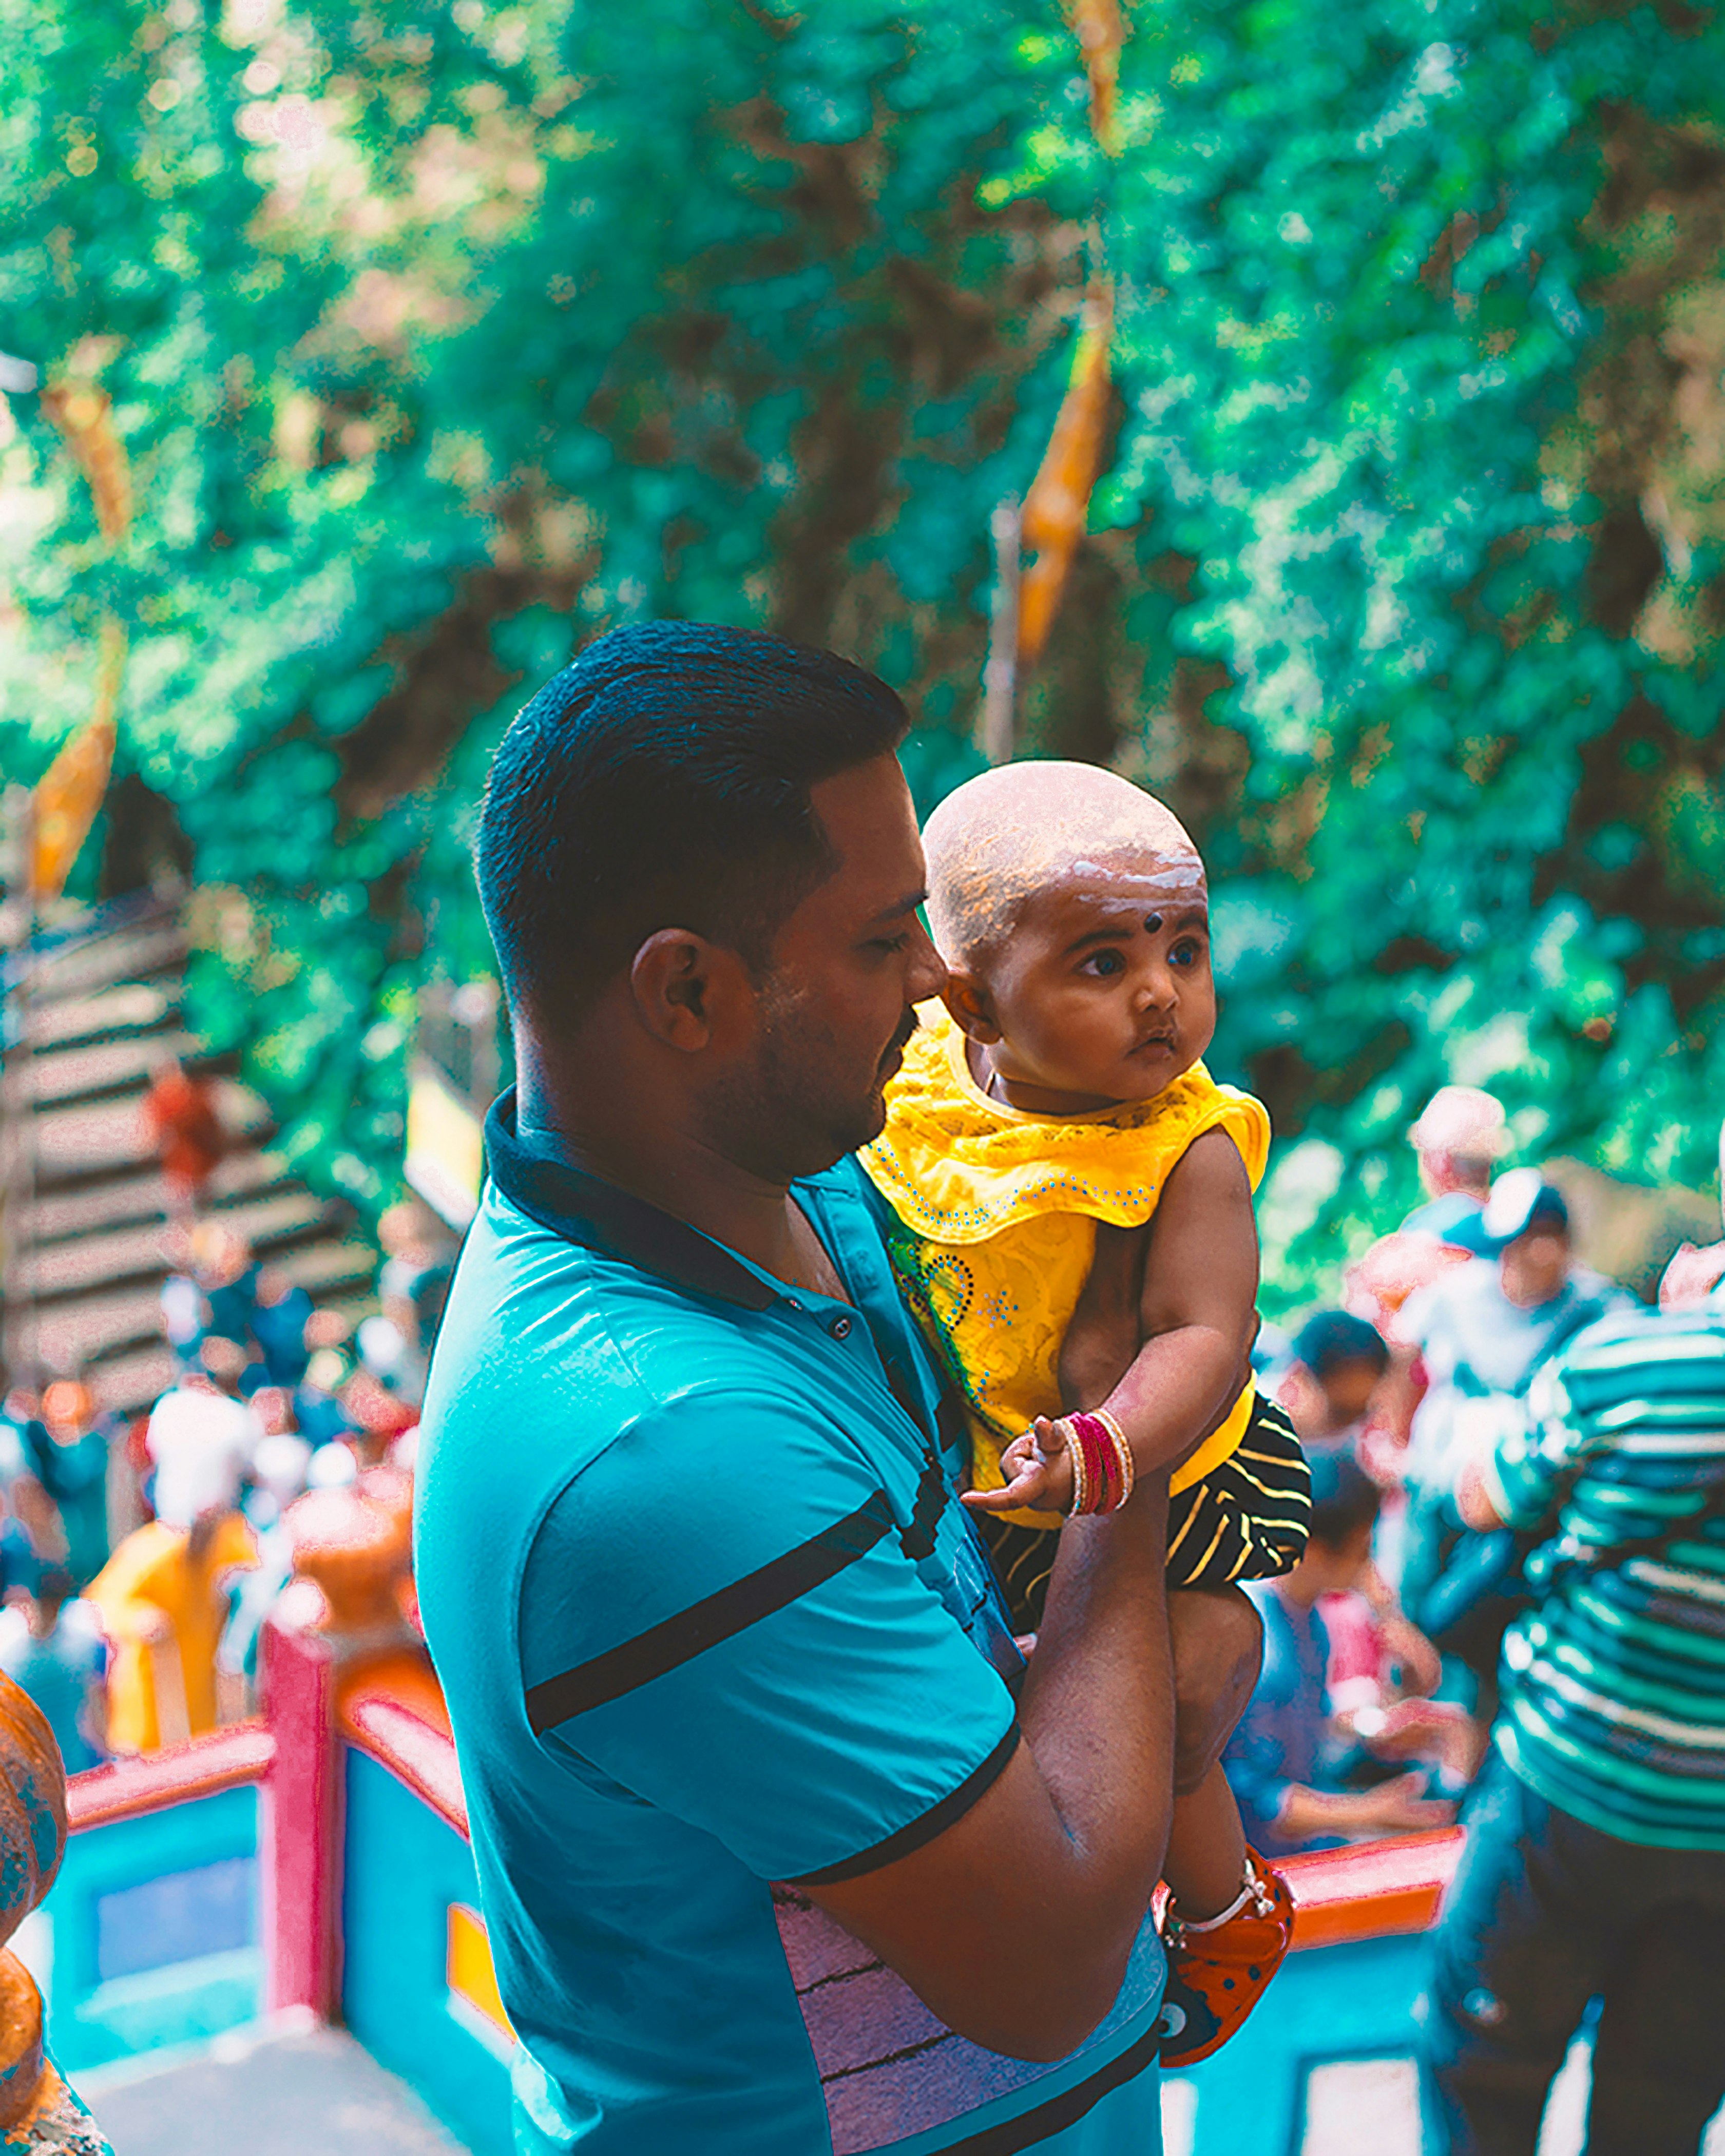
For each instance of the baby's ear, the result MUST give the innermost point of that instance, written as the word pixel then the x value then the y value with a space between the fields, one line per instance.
pixel 968 1001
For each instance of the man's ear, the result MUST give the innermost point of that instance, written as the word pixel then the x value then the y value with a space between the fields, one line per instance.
pixel 674 984
pixel 971 1006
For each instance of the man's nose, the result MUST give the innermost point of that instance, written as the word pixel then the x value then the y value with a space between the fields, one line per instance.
pixel 926 974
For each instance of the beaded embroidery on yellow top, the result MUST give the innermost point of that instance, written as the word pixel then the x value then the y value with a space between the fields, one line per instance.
pixel 997 1213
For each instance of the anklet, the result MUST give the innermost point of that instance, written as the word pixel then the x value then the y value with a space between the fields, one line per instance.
pixel 1251 1895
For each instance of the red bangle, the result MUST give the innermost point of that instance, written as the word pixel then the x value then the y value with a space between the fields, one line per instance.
pixel 1107 1481
pixel 1092 1447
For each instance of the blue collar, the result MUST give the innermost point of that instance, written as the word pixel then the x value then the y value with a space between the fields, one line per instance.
pixel 583 1209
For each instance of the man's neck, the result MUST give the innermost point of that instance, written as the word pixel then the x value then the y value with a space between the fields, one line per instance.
pixel 678 1173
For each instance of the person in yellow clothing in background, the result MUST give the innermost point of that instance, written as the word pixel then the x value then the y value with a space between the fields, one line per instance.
pixel 1072 1195
pixel 162 1596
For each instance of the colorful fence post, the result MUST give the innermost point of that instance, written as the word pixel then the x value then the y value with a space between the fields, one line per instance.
pixel 350 1556
pixel 300 1822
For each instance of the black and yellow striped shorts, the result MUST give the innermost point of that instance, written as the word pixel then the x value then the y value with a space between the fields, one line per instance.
pixel 1247 1519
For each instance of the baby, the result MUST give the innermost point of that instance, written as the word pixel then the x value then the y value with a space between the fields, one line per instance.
pixel 1054 1147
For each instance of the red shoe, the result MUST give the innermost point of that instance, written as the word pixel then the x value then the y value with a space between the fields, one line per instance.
pixel 1217 1972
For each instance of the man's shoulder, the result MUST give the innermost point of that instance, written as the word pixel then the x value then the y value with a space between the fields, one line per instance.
pixel 1456 1291
pixel 553 1355
pixel 529 1310
pixel 1628 1338
pixel 1600 1291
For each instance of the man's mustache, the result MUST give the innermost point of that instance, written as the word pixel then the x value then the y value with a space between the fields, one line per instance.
pixel 901 1040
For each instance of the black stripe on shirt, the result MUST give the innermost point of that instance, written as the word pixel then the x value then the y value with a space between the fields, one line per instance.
pixel 935 1820
pixel 666 1645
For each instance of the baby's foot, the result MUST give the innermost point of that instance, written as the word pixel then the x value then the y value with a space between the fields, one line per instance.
pixel 1219 1970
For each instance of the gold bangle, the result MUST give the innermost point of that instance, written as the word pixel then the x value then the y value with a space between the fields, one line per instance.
pixel 1123 1453
pixel 1074 1453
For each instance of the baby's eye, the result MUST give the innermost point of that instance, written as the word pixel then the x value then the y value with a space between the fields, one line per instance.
pixel 1187 951
pixel 1104 964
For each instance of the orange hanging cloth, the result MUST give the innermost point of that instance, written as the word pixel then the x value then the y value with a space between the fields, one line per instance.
pixel 1058 505
pixel 1102 32
pixel 70 792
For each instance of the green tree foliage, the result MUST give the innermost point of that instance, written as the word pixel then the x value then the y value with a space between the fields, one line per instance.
pixel 442 337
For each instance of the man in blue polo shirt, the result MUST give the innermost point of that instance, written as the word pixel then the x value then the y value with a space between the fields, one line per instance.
pixel 781 1848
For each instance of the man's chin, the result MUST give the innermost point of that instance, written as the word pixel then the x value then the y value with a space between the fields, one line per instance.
pixel 871 1125
pixel 849 1134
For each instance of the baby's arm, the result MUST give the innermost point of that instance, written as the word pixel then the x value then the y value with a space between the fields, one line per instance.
pixel 1196 1320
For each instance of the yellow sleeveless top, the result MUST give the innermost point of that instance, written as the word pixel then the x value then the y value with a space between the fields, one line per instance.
pixel 996 1213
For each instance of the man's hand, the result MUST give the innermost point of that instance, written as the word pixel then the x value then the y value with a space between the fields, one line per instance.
pixel 1397 1807
pixel 1428 1729
pixel 1394 1807
pixel 1692 1275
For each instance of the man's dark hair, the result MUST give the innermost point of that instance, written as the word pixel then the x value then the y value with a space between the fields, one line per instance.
pixel 1331 1338
pixel 662 781
pixel 1344 1499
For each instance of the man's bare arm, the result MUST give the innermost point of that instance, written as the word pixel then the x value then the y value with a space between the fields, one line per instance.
pixel 1014 1925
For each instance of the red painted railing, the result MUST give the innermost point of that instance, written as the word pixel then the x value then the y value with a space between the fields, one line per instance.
pixel 1372 1891
pixel 390 1706
pixel 395 1711
pixel 225 1759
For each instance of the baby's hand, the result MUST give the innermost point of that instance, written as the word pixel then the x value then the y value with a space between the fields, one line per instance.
pixel 1038 1469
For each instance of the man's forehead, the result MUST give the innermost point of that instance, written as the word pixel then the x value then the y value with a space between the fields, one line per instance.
pixel 870 825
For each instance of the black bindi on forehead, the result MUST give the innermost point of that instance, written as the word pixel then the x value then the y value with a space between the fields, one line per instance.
pixel 1153 922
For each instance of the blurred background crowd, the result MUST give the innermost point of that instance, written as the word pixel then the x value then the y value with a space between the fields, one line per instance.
pixel 1382 1648
pixel 139 1555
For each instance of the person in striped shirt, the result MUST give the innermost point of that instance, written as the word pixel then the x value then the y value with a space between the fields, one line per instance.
pixel 1595 1862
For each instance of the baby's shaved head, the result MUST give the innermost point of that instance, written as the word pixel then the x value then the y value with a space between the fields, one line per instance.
pixel 1002 836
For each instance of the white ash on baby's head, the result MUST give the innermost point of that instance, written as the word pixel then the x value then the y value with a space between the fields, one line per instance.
pixel 1000 838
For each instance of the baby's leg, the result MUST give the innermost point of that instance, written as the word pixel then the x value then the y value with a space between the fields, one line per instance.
pixel 1218 1639
pixel 1205 1864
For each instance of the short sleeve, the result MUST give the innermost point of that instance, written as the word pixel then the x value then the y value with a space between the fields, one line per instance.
pixel 718 1614
pixel 1524 1473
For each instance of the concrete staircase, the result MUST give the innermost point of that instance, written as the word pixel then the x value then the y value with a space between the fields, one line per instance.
pixel 104 1006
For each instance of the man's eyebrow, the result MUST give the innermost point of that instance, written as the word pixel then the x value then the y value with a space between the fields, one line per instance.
pixel 898 908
